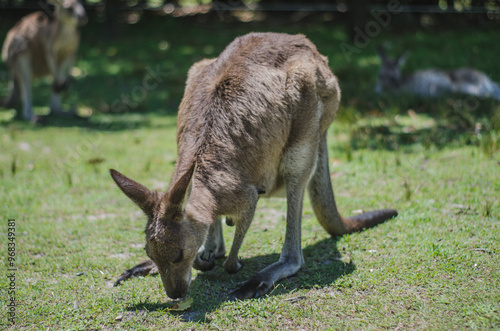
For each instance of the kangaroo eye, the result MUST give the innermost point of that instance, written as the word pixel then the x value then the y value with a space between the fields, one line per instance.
pixel 179 258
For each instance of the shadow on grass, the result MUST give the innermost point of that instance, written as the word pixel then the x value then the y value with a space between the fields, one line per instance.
pixel 211 289
pixel 100 122
pixel 427 122
pixel 150 306
pixel 392 138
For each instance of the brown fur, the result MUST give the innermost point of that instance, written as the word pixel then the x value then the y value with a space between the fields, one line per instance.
pixel 252 124
pixel 41 45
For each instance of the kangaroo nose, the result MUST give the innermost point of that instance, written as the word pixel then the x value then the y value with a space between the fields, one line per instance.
pixel 175 294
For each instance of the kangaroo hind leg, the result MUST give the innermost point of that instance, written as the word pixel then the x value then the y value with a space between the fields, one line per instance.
pixel 22 75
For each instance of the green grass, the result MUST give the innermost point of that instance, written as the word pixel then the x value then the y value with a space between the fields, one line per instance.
pixel 436 266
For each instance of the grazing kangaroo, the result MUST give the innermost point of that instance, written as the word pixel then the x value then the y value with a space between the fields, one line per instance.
pixel 252 123
pixel 433 82
pixel 42 44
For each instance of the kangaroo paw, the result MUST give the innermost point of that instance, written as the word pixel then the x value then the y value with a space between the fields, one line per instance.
pixel 61 86
pixel 204 261
pixel 233 267
pixel 69 113
pixel 252 288
pixel 142 269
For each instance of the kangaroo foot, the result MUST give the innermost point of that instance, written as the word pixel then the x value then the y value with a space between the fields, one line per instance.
pixel 204 261
pixel 252 288
pixel 233 266
pixel 264 280
pixel 70 113
pixel 142 269
pixel 38 119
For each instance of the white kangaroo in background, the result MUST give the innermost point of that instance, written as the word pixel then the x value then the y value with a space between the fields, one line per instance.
pixel 42 44
pixel 433 82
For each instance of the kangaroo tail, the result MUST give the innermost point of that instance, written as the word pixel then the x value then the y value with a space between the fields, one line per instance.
pixel 11 100
pixel 323 202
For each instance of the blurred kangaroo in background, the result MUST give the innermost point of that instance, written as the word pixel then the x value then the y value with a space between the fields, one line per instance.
pixel 252 124
pixel 42 44
pixel 433 82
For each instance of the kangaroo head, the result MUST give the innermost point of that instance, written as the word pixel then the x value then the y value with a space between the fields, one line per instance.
pixel 173 237
pixel 70 12
pixel 389 75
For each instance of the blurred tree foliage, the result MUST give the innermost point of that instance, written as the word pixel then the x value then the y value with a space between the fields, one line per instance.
pixel 464 6
pixel 351 13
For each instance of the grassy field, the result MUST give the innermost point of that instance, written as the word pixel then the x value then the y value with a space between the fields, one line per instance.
pixel 436 266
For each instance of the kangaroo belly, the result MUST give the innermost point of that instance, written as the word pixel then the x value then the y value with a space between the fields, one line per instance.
pixel 39 63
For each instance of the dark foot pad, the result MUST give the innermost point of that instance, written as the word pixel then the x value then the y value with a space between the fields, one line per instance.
pixel 252 288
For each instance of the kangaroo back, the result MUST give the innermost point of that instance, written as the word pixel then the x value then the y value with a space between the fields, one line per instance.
pixel 473 82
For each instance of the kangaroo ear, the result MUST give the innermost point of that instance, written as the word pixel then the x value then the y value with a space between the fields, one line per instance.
pixel 178 191
pixel 402 59
pixel 138 193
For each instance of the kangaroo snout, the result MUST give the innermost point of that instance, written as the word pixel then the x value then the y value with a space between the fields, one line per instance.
pixel 82 18
pixel 176 286
pixel 177 292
